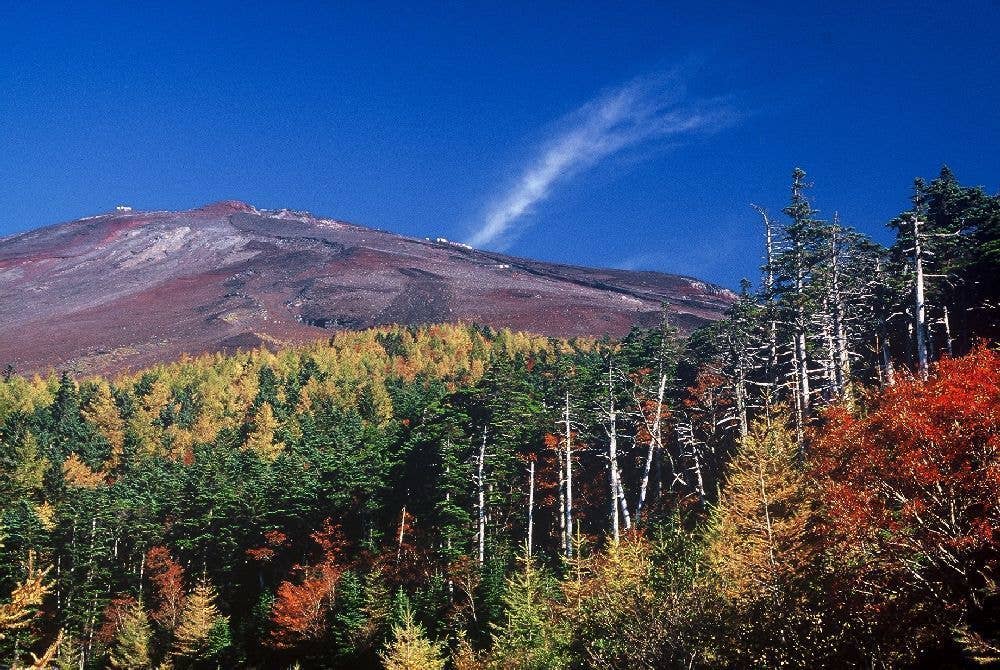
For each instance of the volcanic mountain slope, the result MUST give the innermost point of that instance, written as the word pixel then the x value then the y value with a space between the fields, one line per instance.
pixel 128 289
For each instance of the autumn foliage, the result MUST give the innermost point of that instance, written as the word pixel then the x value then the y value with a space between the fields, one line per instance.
pixel 919 475
pixel 301 604
pixel 912 490
pixel 167 578
pixel 269 509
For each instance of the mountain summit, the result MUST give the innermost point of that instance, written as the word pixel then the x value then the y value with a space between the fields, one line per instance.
pixel 128 288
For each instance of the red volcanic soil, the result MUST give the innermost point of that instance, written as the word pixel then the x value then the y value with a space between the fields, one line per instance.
pixel 124 290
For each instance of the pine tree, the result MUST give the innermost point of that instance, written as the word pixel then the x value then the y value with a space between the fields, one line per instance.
pixel 22 466
pixel 796 265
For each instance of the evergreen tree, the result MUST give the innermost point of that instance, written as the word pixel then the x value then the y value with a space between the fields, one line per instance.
pixel 528 638
pixel 131 649
pixel 409 648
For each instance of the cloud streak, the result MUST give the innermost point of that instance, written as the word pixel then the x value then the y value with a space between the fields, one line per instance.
pixel 640 112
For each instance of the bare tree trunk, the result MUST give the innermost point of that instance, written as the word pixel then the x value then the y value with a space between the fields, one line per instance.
pixel 699 480
pixel 882 334
pixel 613 472
pixel 801 355
pixel 623 503
pixel 90 577
pixel 402 528
pixel 531 503
pixel 569 480
pixel 481 493
pixel 830 364
pixel 142 573
pixel 447 500
pixel 919 308
pixel 655 442
pixel 614 484
pixel 58 582
pixel 799 409
pixel 741 399
pixel 769 293
pixel 563 532
pixel 685 435
pixel 947 331
pixel 843 359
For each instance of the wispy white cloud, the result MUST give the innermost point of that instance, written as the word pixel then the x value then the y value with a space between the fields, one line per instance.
pixel 642 111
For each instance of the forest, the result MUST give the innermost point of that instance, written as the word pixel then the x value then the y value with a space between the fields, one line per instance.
pixel 812 482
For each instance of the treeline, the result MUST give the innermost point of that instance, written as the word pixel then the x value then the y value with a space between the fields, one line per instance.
pixel 799 484
pixel 835 311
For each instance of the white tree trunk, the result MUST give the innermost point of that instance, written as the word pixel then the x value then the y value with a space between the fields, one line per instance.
pixel 655 443
pixel 402 530
pixel 563 533
pixel 614 484
pixel 531 504
pixel 843 359
pixel 947 331
pixel 569 480
pixel 623 503
pixel 801 355
pixel 613 474
pixel 919 308
pixel 800 415
pixel 481 494
pixel 769 293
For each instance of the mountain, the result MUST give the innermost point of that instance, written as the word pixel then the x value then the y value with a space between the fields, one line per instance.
pixel 127 289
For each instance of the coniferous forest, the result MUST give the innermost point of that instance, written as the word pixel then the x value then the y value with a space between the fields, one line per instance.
pixel 813 481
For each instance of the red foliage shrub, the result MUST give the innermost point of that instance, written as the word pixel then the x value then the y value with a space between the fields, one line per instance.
pixel 913 486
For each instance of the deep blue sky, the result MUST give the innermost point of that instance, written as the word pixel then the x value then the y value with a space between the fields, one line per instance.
pixel 416 120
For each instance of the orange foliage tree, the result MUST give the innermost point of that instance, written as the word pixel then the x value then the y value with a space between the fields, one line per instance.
pixel 167 577
pixel 298 615
pixel 912 488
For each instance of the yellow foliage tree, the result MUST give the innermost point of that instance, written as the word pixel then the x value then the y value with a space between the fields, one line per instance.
pixel 200 620
pixel 409 648
pixel 131 649
pixel 760 525
pixel 22 608
pixel 102 412
pixel 27 475
pixel 764 561
pixel 27 596
pixel 261 438
pixel 78 474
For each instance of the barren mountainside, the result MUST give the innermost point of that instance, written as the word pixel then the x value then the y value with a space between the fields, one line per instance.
pixel 128 289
